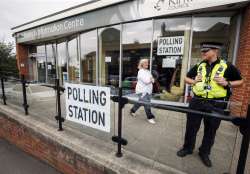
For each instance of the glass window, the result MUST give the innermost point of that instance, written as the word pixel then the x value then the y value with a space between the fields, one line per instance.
pixel 88 56
pixel 41 63
pixel 62 62
pixel 73 61
pixel 51 62
pixel 214 28
pixel 170 57
pixel 136 44
pixel 109 44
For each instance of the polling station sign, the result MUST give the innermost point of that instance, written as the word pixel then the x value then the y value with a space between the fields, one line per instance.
pixel 88 105
pixel 170 45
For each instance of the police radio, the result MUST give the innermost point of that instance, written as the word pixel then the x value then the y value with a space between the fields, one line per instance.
pixel 200 85
pixel 219 71
pixel 200 70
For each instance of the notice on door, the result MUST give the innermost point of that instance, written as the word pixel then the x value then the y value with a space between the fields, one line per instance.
pixel 88 105
pixel 170 45
pixel 169 62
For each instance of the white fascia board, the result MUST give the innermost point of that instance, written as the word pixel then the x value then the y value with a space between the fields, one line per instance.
pixel 65 14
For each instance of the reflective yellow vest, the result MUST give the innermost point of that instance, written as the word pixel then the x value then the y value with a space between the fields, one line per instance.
pixel 208 88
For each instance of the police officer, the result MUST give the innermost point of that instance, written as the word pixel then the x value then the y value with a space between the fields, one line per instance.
pixel 211 80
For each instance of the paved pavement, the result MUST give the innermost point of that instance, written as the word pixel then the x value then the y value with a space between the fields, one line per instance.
pixel 15 161
pixel 159 142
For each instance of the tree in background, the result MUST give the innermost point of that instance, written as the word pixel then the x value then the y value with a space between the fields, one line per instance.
pixel 8 63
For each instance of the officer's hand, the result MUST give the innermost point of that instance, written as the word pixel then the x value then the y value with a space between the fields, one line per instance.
pixel 198 78
pixel 221 81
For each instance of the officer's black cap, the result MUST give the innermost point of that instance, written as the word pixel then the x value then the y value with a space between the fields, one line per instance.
pixel 206 46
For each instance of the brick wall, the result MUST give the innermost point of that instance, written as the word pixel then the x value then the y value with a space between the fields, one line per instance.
pixel 47 150
pixel 22 58
pixel 242 95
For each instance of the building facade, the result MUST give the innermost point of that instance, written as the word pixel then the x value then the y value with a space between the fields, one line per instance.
pixel 101 42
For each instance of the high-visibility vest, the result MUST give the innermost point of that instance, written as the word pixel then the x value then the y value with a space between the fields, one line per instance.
pixel 208 88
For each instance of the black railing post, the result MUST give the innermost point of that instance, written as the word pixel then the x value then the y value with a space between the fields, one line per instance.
pixel 118 139
pixel 119 150
pixel 3 92
pixel 245 130
pixel 25 104
pixel 59 114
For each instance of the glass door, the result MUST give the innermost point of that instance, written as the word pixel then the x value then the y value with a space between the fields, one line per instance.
pixel 51 63
pixel 109 51
pixel 136 44
pixel 62 62
pixel 171 47
pixel 41 63
pixel 88 46
pixel 73 60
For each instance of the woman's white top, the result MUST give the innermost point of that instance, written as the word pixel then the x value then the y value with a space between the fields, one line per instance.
pixel 144 83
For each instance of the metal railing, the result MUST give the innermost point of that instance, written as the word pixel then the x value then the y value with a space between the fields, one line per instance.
pixel 242 123
pixel 24 85
pixel 25 105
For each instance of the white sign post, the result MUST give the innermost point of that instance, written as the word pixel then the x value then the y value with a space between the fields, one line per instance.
pixel 88 105
pixel 170 45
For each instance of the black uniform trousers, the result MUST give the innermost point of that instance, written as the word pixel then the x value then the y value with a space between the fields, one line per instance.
pixel 210 124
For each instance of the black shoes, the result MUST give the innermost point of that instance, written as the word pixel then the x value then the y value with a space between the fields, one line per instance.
pixel 205 159
pixel 184 152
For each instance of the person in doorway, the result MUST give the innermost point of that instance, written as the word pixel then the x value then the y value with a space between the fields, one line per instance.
pixel 211 81
pixel 144 89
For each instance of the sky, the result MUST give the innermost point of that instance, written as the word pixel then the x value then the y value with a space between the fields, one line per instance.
pixel 17 12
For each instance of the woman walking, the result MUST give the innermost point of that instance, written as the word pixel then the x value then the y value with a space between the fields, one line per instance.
pixel 144 89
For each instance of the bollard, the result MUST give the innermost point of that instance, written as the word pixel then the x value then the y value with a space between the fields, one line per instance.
pixel 245 130
pixel 25 104
pixel 3 92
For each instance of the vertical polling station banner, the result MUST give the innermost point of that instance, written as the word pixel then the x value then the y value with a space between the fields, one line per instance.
pixel 88 105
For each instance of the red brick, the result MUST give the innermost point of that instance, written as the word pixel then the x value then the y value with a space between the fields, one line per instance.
pixel 22 58
pixel 243 63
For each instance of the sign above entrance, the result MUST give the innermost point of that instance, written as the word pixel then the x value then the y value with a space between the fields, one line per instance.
pixel 88 105
pixel 64 26
pixel 172 4
pixel 165 7
pixel 120 13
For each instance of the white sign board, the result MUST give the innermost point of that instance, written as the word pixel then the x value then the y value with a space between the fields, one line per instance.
pixel 169 62
pixel 170 45
pixel 108 59
pixel 49 67
pixel 88 105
